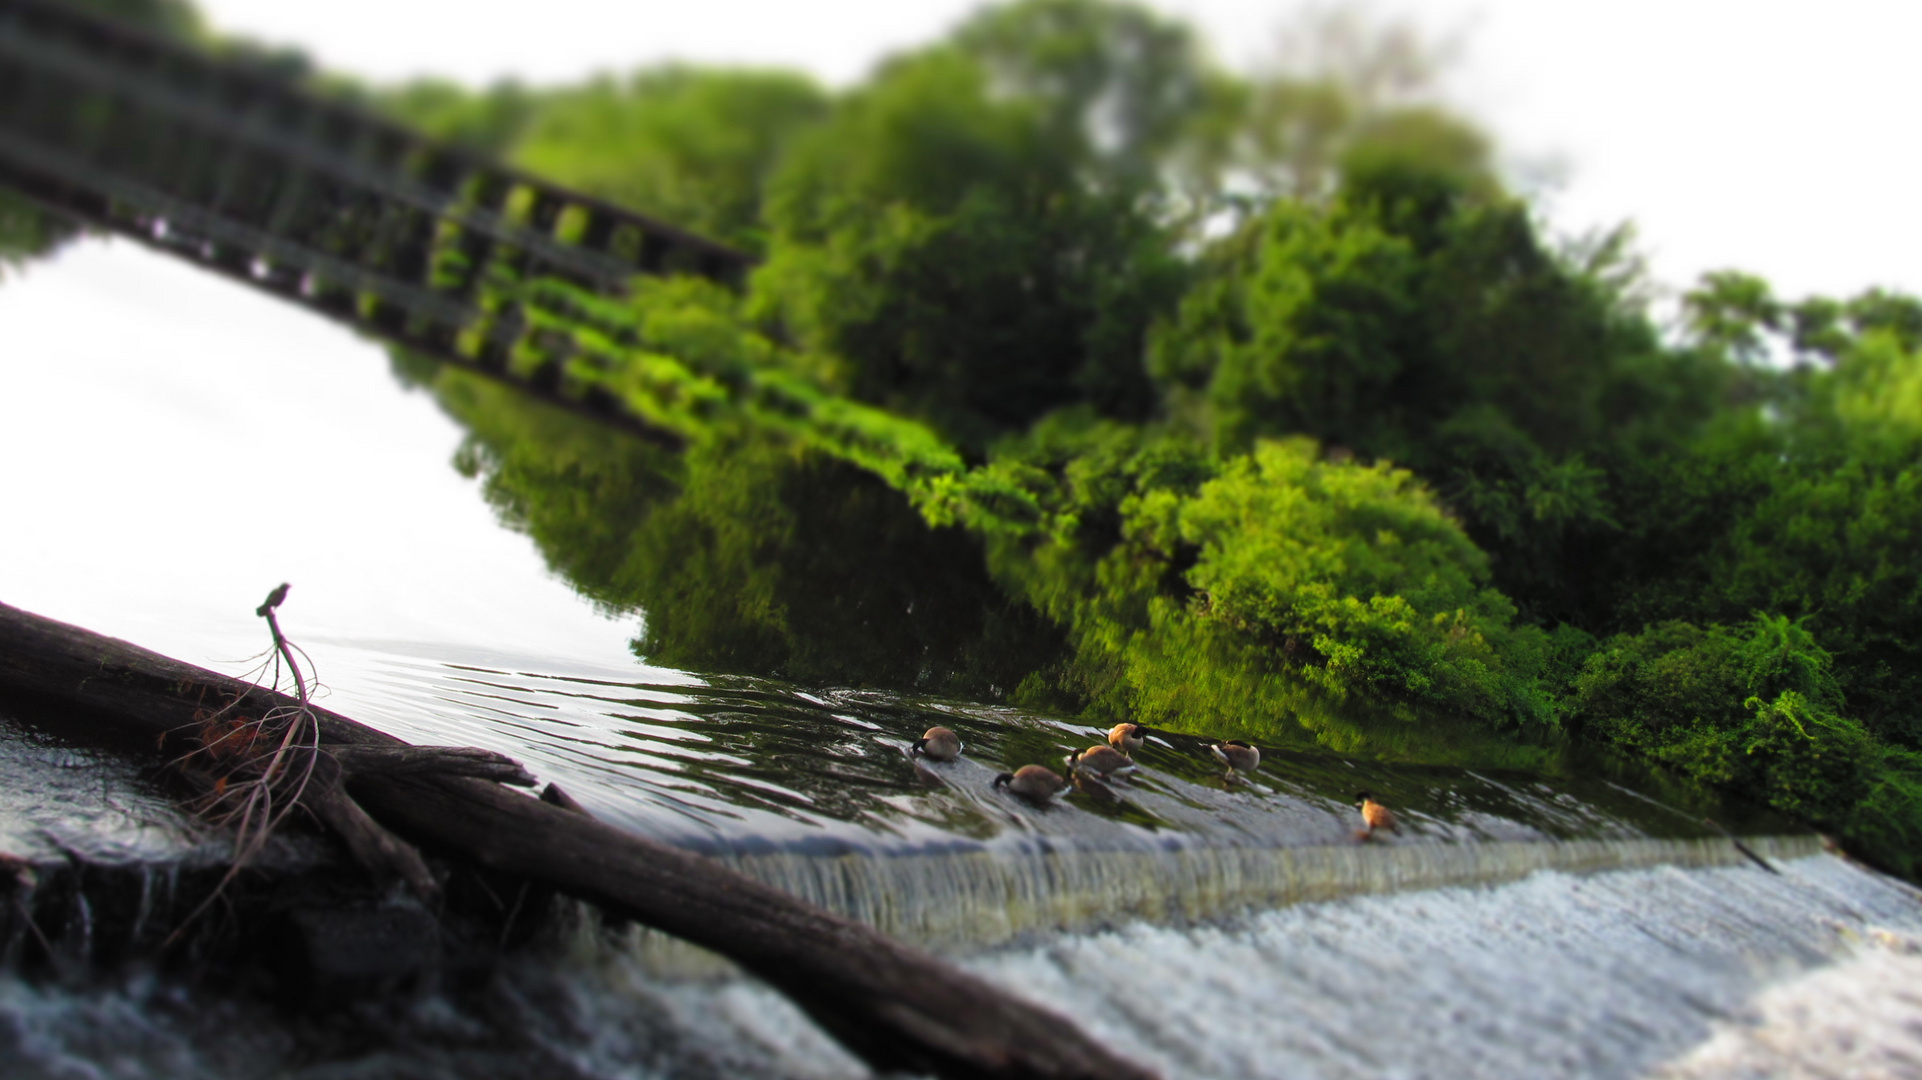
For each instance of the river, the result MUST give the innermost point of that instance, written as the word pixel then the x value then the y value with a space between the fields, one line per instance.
pixel 178 446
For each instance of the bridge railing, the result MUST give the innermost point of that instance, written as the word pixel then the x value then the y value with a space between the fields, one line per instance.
pixel 233 167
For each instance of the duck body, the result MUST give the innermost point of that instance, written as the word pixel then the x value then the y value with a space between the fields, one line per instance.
pixel 1127 738
pixel 1376 816
pixel 1102 761
pixel 1237 755
pixel 939 744
pixel 1036 783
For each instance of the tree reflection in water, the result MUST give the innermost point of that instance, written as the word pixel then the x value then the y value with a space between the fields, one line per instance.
pixel 749 554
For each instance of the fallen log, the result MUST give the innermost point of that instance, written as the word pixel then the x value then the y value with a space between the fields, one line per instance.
pixel 898 1007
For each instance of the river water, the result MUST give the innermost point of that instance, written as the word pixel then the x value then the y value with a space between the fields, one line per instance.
pixel 1573 919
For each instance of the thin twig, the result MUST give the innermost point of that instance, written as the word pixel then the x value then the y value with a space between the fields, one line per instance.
pixel 250 803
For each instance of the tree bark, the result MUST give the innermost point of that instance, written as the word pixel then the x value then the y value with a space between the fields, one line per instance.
pixel 898 1007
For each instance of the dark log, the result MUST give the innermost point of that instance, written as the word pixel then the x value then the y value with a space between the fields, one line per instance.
pixel 554 796
pixel 898 1007
pixel 364 761
pixel 385 855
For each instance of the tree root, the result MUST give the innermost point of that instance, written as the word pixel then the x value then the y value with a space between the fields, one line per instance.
pixel 386 856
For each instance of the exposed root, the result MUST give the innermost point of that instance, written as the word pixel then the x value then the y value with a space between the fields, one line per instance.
pixel 255 770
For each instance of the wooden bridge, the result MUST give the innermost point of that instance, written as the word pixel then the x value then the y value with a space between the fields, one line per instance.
pixel 232 167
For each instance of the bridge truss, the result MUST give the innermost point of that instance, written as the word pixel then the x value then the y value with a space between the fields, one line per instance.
pixel 236 169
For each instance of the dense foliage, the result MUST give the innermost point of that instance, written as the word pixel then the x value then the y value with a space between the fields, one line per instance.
pixel 1755 708
pixel 1083 370
pixel 1279 407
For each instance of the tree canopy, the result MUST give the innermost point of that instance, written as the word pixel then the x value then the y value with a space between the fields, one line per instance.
pixel 1268 404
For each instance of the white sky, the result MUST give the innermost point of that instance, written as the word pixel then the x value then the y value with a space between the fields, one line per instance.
pixel 173 445
pixel 1775 137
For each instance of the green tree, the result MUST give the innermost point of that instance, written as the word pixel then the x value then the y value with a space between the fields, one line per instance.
pixel 1837 535
pixel 1357 568
pixel 489 122
pixel 1124 85
pixel 690 146
pixel 1417 317
pixel 941 241
pixel 1753 709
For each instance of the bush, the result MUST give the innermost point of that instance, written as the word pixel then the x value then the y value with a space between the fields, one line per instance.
pixel 1202 592
pixel 1357 572
pixel 1754 709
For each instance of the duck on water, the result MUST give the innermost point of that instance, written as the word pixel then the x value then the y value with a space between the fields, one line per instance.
pixel 1104 762
pixel 1376 816
pixel 1035 783
pixel 1240 757
pixel 939 744
pixel 1127 738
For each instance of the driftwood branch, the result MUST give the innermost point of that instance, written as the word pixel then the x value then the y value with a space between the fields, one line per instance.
pixel 361 762
pixel 554 796
pixel 383 854
pixel 895 1005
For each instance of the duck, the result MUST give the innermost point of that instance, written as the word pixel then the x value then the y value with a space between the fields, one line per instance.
pixel 1375 815
pixel 939 744
pixel 1237 755
pixel 1102 761
pixel 1127 738
pixel 1036 783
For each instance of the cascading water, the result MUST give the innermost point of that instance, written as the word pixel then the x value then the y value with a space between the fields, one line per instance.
pixel 817 794
pixel 1522 925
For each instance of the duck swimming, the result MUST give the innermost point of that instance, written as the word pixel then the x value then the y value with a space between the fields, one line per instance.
pixel 1375 815
pixel 1101 761
pixel 1036 783
pixel 939 744
pixel 1237 755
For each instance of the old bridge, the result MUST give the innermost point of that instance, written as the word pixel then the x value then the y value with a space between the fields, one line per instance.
pixel 238 170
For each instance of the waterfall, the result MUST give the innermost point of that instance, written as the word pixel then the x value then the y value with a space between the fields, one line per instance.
pixel 974 900
pixel 1520 926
